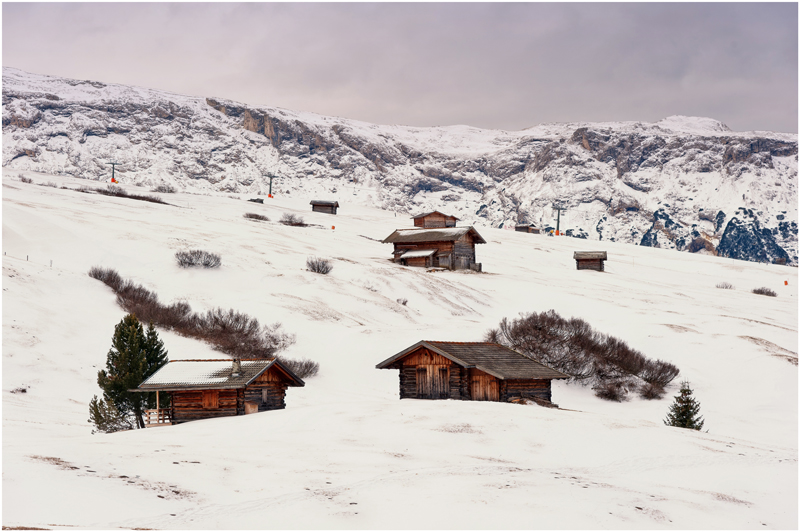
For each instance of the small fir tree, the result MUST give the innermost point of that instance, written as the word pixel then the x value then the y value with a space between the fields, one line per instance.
pixel 106 418
pixel 134 356
pixel 683 412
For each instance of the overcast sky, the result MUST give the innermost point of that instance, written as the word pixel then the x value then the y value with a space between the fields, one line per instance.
pixel 501 66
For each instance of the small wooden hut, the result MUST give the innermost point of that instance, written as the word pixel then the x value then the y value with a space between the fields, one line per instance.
pixel 328 207
pixel 450 247
pixel 527 228
pixel 434 219
pixel 469 371
pixel 202 389
pixel 590 260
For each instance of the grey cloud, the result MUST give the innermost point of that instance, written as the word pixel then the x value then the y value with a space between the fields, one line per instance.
pixel 505 66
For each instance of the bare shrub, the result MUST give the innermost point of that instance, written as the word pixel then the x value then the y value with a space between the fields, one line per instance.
pixel 318 265
pixel 254 216
pixel 402 301
pixel 25 179
pixel 292 219
pixel 658 372
pixel 108 276
pixel 21 389
pixel 612 390
pixel 573 347
pixel 303 368
pixel 197 257
pixel 725 286
pixel 764 291
pixel 119 192
pixel 651 391
pixel 164 188
pixel 228 331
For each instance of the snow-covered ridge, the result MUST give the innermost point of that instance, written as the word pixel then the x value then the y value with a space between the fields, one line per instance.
pixel 674 183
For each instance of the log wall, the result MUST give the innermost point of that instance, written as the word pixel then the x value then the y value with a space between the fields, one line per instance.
pixel 590 264
pixel 188 405
pixel 327 209
pixel 525 387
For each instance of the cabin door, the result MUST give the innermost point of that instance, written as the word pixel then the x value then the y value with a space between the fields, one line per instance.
pixel 484 387
pixel 433 382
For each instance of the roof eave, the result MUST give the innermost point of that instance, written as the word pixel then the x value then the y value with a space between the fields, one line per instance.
pixel 421 343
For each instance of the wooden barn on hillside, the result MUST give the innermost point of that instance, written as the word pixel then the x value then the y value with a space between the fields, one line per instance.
pixel 202 389
pixel 470 371
pixel 434 219
pixel 527 228
pixel 449 247
pixel 328 207
pixel 590 260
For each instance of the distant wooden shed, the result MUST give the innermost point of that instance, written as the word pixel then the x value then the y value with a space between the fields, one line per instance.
pixel 328 207
pixel 527 228
pixel 448 247
pixel 202 389
pixel 434 219
pixel 469 371
pixel 590 260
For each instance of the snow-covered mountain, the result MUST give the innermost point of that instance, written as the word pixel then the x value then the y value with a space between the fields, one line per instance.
pixel 685 183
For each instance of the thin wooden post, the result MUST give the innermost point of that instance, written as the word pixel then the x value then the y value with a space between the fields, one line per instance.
pixel 157 407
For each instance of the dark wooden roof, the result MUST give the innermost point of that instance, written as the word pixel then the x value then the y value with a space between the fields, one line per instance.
pixel 215 374
pixel 433 212
pixel 326 203
pixel 494 359
pixel 589 255
pixel 439 234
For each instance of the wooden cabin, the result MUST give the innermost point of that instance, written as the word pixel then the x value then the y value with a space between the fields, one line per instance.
pixel 590 260
pixel 527 228
pixel 202 389
pixel 434 219
pixel 450 247
pixel 328 207
pixel 470 371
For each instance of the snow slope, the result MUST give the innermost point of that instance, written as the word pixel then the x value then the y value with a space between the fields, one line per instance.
pixel 346 453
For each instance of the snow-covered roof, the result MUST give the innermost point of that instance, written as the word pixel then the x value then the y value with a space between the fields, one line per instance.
pixel 326 203
pixel 589 255
pixel 439 234
pixel 434 212
pixel 418 253
pixel 211 374
pixel 491 358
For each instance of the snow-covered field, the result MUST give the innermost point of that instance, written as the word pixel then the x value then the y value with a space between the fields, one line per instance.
pixel 346 453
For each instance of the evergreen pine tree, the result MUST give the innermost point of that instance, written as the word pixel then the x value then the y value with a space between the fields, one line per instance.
pixel 133 357
pixel 106 418
pixel 683 412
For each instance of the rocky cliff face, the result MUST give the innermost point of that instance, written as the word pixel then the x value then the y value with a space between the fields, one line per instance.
pixel 667 184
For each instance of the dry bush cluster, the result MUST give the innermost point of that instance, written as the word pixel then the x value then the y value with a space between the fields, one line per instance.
pixel 254 216
pixel 303 368
pixel 292 219
pixel 25 179
pixel 229 331
pixel 725 286
pixel 164 188
pixel 318 265
pixel 119 192
pixel 590 357
pixel 198 257
pixel 403 301
pixel 764 291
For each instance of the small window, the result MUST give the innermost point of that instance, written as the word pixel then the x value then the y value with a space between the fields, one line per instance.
pixel 264 396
